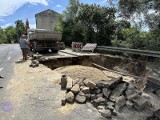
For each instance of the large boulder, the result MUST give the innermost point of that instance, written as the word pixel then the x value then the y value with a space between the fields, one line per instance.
pixel 70 97
pixel 80 97
pixel 75 89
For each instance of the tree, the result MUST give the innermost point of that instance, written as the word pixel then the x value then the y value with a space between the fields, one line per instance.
pixel 149 10
pixel 97 23
pixel 11 34
pixel 20 28
pixel 3 37
pixel 71 29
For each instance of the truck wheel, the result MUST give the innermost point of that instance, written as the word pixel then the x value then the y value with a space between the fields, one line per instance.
pixel 34 47
pixel 54 51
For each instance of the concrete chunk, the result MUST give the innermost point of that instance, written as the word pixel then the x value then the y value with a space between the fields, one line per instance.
pixel 120 102
pixel 80 98
pixel 75 89
pixel 106 92
pixel 85 90
pixel 105 113
pixel 70 97
pixel 91 85
pixel 69 83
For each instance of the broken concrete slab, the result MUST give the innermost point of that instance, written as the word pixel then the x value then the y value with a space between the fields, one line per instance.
pixel 70 97
pixel 69 83
pixel 106 92
pixel 140 104
pixel 109 83
pixel 117 91
pixel 85 90
pixel 99 101
pixel 129 104
pixel 80 97
pixel 75 89
pixel 91 85
pixel 133 96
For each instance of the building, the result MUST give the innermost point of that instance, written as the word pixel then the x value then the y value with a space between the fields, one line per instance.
pixel 46 19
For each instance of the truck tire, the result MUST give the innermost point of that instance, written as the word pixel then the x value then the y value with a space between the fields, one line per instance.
pixel 34 47
pixel 54 51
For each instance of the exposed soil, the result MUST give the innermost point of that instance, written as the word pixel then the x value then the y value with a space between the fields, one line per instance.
pixel 121 64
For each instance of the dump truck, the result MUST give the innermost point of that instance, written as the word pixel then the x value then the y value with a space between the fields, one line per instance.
pixel 43 40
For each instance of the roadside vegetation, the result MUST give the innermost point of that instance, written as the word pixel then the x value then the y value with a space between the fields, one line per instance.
pixel 131 24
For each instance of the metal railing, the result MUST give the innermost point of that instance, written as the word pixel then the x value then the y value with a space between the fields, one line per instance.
pixel 130 51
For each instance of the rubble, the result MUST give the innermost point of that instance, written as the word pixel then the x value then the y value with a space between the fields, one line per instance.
pixel 85 90
pixel 75 89
pixel 157 114
pixel 158 93
pixel 105 113
pixel 91 84
pixel 34 63
pixel 120 102
pixel 109 97
pixel 70 97
pixel 80 98
pixel 69 83
pixel 140 103
pixel 129 104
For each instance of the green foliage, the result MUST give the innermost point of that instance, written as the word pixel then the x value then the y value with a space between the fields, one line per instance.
pixel 88 23
pixel 131 38
pixel 11 34
pixel 59 26
pixel 3 36
pixel 130 8
pixel 20 28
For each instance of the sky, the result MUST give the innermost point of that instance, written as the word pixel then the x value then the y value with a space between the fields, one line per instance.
pixel 12 10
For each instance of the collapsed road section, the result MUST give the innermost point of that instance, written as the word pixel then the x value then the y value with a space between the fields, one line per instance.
pixel 115 89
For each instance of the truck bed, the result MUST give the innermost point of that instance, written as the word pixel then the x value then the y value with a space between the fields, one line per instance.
pixel 45 35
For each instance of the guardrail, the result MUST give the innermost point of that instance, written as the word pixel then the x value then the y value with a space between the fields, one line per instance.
pixel 130 51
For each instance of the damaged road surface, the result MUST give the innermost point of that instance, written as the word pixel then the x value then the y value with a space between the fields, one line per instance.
pixel 34 93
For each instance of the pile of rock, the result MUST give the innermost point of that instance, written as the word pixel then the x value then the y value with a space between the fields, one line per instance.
pixel 34 63
pixel 108 96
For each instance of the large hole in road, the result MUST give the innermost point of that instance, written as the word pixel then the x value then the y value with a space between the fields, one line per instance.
pixel 121 64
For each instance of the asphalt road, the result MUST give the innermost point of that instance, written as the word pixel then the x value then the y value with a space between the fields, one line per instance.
pixel 42 104
pixel 9 53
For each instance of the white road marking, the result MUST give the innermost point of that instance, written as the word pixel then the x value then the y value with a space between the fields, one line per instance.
pixel 9 58
pixel 1 69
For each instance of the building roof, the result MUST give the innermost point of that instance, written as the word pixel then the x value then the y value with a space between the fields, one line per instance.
pixel 46 12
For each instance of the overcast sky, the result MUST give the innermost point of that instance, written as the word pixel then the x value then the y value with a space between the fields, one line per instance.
pixel 12 10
